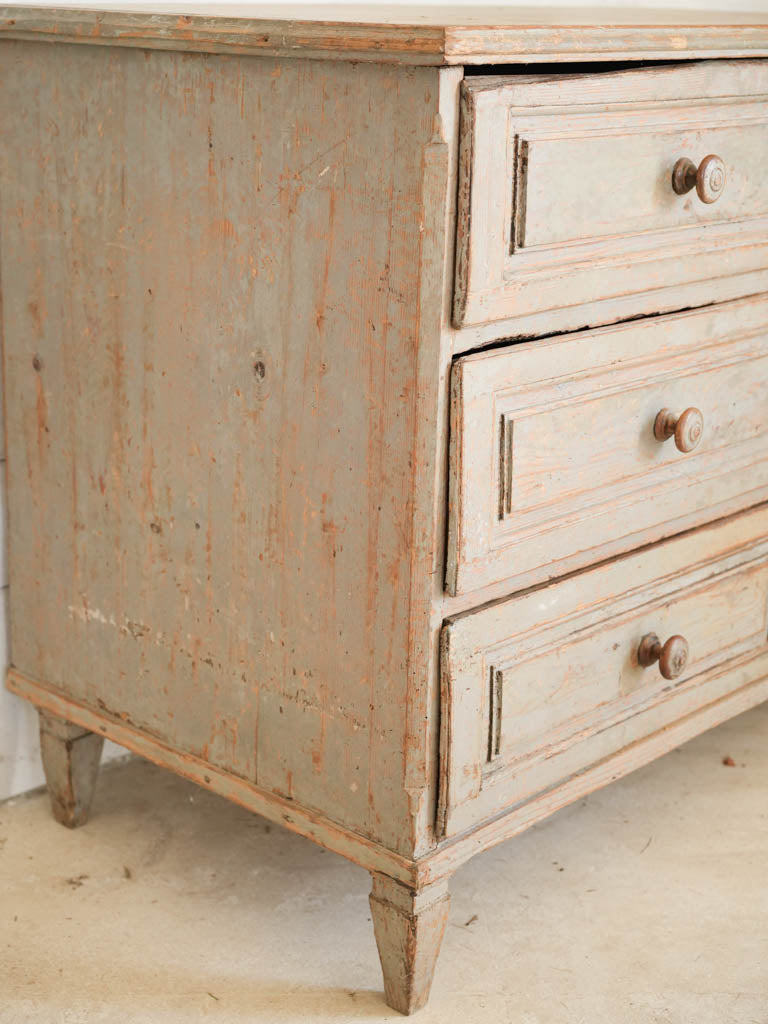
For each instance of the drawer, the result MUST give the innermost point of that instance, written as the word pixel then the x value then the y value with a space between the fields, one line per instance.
pixel 538 688
pixel 566 194
pixel 554 461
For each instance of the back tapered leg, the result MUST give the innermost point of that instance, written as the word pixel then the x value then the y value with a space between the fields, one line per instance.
pixel 71 757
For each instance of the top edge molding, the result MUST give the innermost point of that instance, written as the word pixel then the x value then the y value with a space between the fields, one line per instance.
pixel 402 35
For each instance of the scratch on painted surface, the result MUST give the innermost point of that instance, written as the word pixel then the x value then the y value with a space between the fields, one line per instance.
pixel 138 630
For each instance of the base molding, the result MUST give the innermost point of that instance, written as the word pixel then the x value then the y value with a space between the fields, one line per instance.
pixel 299 819
pixel 446 857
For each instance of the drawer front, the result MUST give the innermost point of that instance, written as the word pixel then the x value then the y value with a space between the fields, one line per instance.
pixel 554 459
pixel 566 193
pixel 540 687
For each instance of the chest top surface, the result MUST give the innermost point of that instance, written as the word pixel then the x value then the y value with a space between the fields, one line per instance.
pixel 400 34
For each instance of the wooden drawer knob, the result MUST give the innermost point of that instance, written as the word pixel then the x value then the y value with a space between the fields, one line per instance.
pixel 686 428
pixel 671 656
pixel 708 178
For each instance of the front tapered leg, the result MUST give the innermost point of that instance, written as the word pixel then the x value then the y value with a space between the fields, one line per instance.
pixel 71 757
pixel 409 925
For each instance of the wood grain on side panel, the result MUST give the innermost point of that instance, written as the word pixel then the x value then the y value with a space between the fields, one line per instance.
pixel 217 382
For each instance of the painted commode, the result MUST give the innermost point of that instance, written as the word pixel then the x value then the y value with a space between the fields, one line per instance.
pixel 385 408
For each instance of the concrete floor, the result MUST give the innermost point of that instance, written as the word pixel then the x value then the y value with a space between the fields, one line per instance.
pixel 646 903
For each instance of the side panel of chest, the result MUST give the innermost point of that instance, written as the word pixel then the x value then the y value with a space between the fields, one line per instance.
pixel 210 306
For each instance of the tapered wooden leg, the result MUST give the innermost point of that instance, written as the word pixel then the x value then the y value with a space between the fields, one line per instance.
pixel 409 926
pixel 71 758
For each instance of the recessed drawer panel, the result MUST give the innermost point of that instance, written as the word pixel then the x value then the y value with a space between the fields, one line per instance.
pixel 619 189
pixel 561 453
pixel 541 686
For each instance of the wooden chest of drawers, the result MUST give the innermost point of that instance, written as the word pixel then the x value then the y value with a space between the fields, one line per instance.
pixel 386 418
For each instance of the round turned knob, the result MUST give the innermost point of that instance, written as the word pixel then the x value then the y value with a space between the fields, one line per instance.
pixel 671 656
pixel 686 428
pixel 708 178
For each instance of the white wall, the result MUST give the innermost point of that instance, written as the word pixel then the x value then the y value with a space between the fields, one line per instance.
pixel 19 767
pixel 19 749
